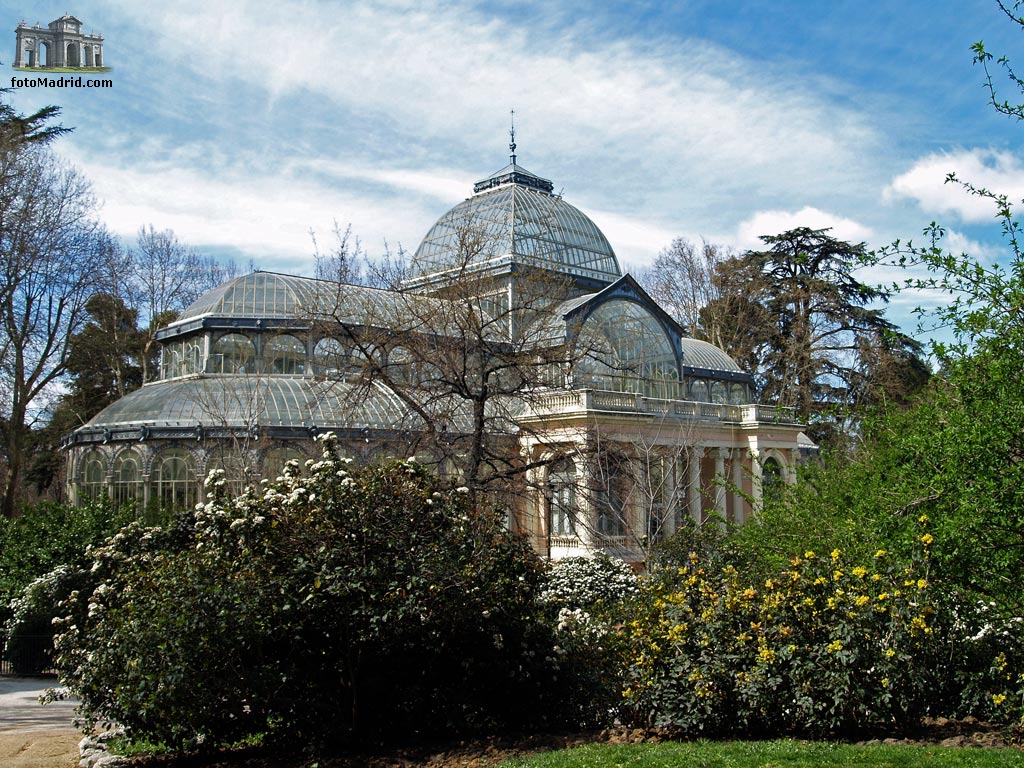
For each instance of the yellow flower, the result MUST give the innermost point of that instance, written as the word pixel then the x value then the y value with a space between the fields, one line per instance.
pixel 837 575
pixel 796 561
pixel 767 655
pixel 922 519
pixel 860 572
pixel 834 646
pixel 809 554
pixel 889 653
pixel 836 554
pixel 876 577
pixel 880 553
pixel 885 682
pixel 998 698
pixel 927 539
pixel 922 583
pixel 862 600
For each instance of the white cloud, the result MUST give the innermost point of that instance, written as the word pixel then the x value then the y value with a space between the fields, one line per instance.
pixel 925 182
pixel 748 233
pixel 266 216
pixel 450 71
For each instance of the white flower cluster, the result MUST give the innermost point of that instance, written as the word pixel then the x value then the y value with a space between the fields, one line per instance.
pixel 582 582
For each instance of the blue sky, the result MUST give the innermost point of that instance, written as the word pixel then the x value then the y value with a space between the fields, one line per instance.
pixel 244 125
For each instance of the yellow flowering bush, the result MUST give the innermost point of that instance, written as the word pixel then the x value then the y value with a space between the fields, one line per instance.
pixel 828 647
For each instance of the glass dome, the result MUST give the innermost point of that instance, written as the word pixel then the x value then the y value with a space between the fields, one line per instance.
pixel 514 219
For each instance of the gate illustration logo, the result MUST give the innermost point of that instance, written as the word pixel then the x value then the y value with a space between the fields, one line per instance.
pixel 60 46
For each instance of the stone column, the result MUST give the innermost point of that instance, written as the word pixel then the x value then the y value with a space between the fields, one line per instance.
pixel 738 501
pixel 668 497
pixel 720 456
pixel 693 489
pixel 19 53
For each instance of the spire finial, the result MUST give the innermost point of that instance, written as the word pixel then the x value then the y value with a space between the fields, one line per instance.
pixel 512 134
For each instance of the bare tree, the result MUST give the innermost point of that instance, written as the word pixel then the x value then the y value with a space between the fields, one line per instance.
pixel 166 277
pixel 682 281
pixel 50 254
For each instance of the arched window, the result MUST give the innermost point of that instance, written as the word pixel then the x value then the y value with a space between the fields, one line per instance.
pixel 737 394
pixel 174 479
pixel 331 358
pixel 771 478
pixel 719 393
pixel 276 459
pixel 562 503
pixel 232 353
pixel 698 391
pixel 93 476
pixel 128 478
pixel 285 354
pixel 622 347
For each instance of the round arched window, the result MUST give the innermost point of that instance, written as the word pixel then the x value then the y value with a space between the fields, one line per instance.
pixel 331 358
pixel 232 353
pixel 285 354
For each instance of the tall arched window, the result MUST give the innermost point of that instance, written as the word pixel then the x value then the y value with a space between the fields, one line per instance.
pixel 174 479
pixel 562 503
pixel 93 476
pixel 232 353
pixel 622 347
pixel 284 354
pixel 128 478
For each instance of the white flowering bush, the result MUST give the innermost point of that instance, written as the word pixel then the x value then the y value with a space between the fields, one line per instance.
pixel 340 604
pixel 585 582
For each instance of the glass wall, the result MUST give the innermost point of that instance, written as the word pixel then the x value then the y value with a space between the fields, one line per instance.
pixel 284 354
pixel 623 348
pixel 233 353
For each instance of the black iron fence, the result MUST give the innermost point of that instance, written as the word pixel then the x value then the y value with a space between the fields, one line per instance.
pixel 26 655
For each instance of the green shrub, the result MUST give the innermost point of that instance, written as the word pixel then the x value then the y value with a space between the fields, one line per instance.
pixel 827 647
pixel 48 535
pixel 349 603
pixel 588 582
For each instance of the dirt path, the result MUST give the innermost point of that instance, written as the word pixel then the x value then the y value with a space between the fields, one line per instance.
pixel 31 735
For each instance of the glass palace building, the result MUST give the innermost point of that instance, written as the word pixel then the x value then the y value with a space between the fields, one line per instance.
pixel 611 425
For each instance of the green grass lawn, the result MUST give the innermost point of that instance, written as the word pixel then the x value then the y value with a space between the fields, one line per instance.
pixel 764 754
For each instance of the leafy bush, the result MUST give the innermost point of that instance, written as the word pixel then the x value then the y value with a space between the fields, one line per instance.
pixel 827 647
pixel 588 582
pixel 346 603
pixel 29 631
pixel 49 535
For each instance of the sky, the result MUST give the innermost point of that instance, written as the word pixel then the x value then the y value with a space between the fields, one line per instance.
pixel 245 126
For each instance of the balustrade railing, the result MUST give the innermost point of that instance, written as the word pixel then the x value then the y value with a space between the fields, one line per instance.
pixel 582 400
